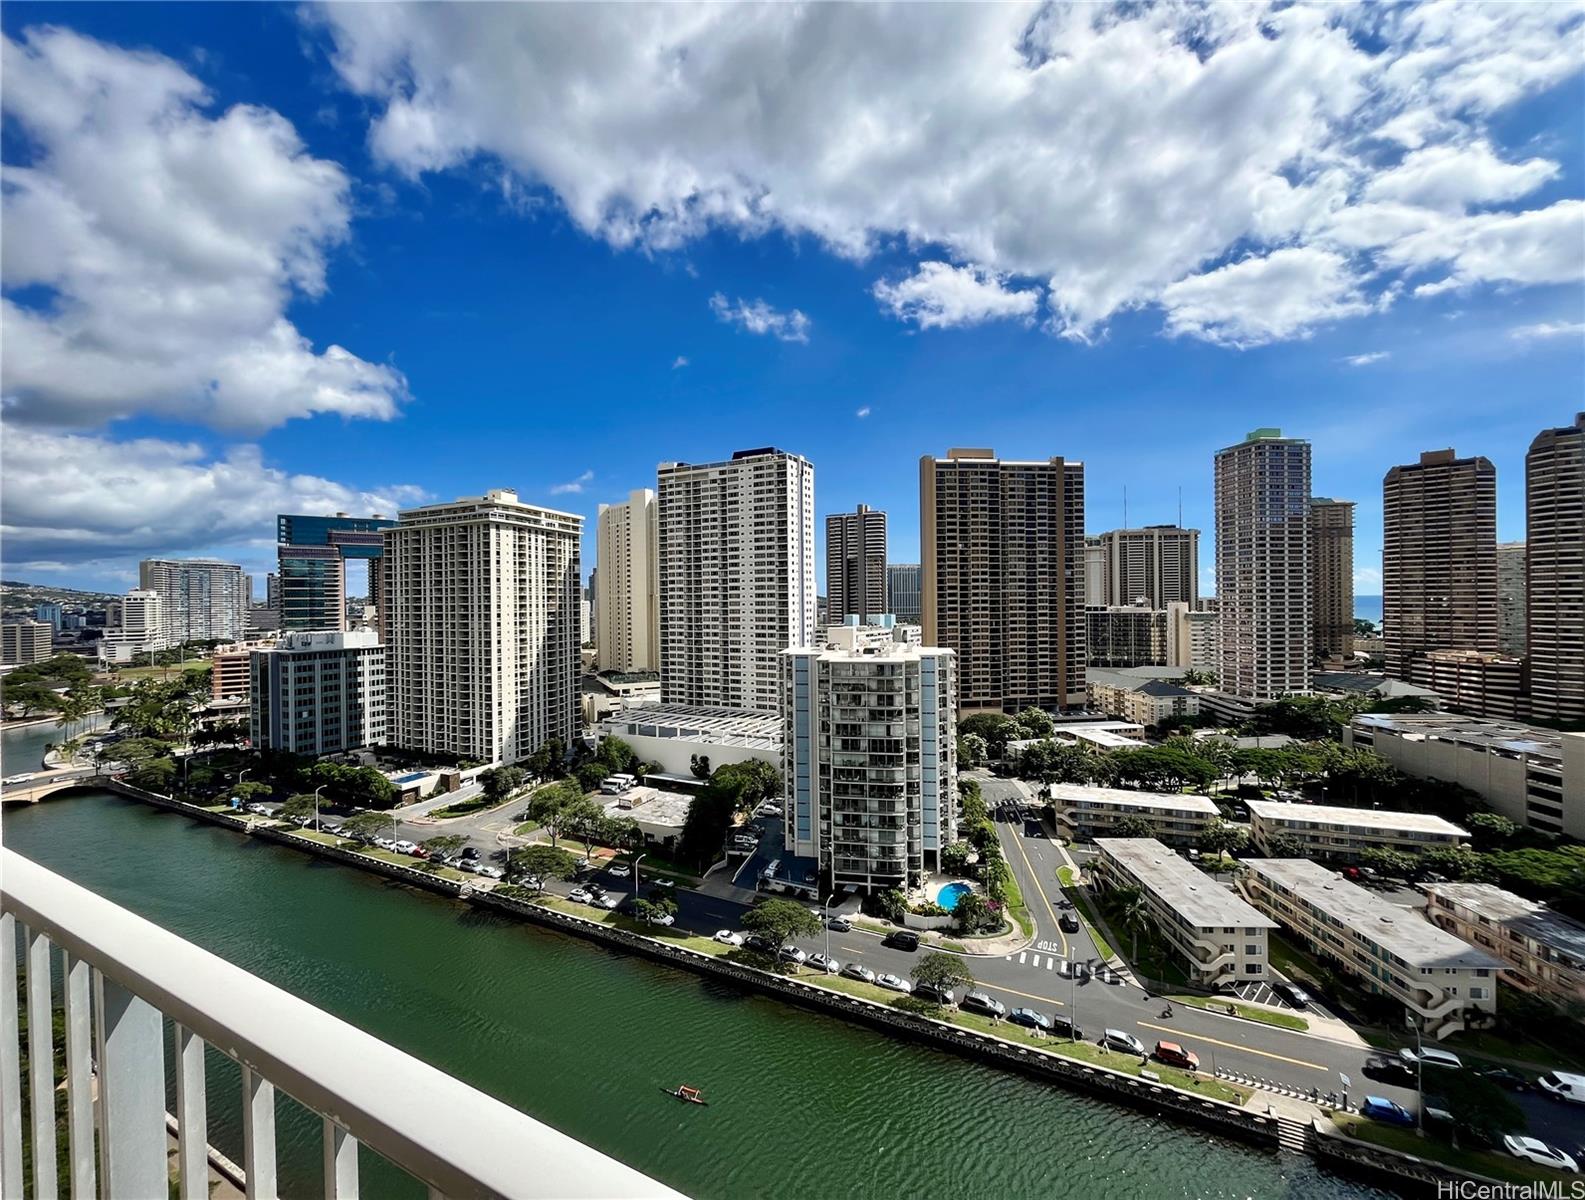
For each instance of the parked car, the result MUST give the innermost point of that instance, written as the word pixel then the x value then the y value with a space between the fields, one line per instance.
pixel 986 1006
pixel 385 843
pixel 608 903
pixel 893 983
pixel 1430 1056
pixel 755 941
pixel 1387 1069
pixel 1030 1019
pixel 533 882
pixel 1535 1150
pixel 1175 1055
pixel 1563 1085
pixel 858 971
pixel 620 870
pixel 1069 922
pixel 1118 1039
pixel 1292 993
pixel 467 864
pixel 1503 1077
pixel 1379 1108
pixel 727 938
pixel 1062 1027
pixel 793 955
pixel 821 962
pixel 580 896
pixel 936 995
pixel 491 872
pixel 902 939
pixel 839 925
pixel 406 847
pixel 661 918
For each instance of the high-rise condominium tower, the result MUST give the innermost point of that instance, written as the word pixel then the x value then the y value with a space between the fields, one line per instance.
pixel 481 617
pixel 1263 565
pixel 1332 578
pixel 737 576
pixel 1158 565
pixel 902 592
pixel 1002 579
pixel 1511 570
pixel 1555 518
pixel 1438 558
pixel 856 564
pixel 201 599
pixel 627 588
pixel 310 589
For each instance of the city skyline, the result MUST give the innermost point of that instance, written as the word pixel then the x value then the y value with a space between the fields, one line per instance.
pixel 469 363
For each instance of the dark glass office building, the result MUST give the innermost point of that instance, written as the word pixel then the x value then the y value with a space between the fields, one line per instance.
pixel 312 576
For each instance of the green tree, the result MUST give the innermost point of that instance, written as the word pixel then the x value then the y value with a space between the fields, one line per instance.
pixel 1035 722
pixel 1133 914
pixel 617 754
pixel 251 791
pixel 892 905
pixel 943 971
pixel 1132 827
pixel 1218 837
pixel 30 698
pixel 973 912
pixel 971 804
pixel 366 826
pixel 1197 678
pixel 704 830
pixel 297 807
pixel 558 807
pixel 591 774
pixel 955 857
pixel 971 750
pixel 995 728
pixel 498 783
pixel 779 921
pixel 699 764
pixel 543 862
pixel 1478 1105
pixel 1490 829
pixel 1285 845
pixel 1398 864
pixel 754 779
pixel 445 845
pixel 1364 628
pixel 1457 862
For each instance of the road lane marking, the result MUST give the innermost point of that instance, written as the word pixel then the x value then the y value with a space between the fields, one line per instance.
pixel 1022 957
pixel 1034 878
pixel 1050 962
pixel 1034 960
pixel 980 984
pixel 1297 1062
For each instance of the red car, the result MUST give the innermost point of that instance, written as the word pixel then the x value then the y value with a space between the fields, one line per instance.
pixel 1175 1055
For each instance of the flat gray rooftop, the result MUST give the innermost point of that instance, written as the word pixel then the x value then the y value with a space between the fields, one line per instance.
pixel 1529 918
pixel 1485 732
pixel 1360 818
pixel 1181 801
pixel 1188 891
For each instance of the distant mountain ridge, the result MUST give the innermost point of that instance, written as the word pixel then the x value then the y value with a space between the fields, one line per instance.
pixel 17 591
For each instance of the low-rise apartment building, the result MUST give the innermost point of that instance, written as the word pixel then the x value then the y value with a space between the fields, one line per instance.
pixel 1532 776
pixel 1325 831
pixel 320 693
pixel 1217 935
pixel 1393 951
pixel 1146 702
pixel 1545 951
pixel 1093 812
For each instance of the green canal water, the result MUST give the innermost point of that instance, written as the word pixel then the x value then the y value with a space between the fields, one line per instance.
pixel 583 1038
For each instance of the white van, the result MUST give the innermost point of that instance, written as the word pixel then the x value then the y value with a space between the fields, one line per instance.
pixel 1563 1085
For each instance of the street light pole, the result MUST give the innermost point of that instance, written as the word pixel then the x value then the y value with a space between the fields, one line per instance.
pixel 826 921
pixel 1419 1081
pixel 317 790
pixel 637 888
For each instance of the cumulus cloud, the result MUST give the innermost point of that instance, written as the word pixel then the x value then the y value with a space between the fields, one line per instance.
pixel 863 412
pixel 939 295
pixel 758 317
pixel 573 486
pixel 1364 360
pixel 153 245
pixel 80 499
pixel 1103 153
pixel 1547 330
pixel 679 362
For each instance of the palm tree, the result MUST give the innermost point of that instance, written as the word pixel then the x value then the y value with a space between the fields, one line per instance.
pixel 1133 914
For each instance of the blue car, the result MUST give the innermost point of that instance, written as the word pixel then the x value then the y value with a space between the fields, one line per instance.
pixel 1379 1109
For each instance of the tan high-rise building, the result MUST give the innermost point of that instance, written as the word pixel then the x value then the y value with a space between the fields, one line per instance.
pixel 1332 578
pixel 1263 565
pixel 737 577
pixel 1555 520
pixel 481 614
pixel 1156 566
pixel 626 603
pixel 1511 570
pixel 1438 558
pixel 856 565
pixel 1095 573
pixel 1002 545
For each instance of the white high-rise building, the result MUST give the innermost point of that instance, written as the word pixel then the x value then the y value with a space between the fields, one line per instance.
pixel 627 592
pixel 737 577
pixel 319 693
pixel 481 615
pixel 1263 565
pixel 201 599
pixel 136 625
pixel 1194 639
pixel 870 756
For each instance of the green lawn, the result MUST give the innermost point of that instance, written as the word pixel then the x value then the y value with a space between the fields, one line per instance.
pixel 525 828
pixel 1249 1012
pixel 1016 907
pixel 618 920
pixel 1067 877
pixel 1498 1166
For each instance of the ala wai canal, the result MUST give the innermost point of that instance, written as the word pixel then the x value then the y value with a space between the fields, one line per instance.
pixel 581 1037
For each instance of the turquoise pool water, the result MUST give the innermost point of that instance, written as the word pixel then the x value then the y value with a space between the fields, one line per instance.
pixel 949 895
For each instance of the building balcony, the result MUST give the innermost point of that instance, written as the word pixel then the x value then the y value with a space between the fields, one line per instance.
pixel 123 976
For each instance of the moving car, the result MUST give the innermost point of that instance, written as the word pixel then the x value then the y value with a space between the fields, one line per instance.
pixel 893 983
pixel 858 971
pixel 1064 968
pixel 1292 993
pixel 1030 1019
pixel 1069 922
pixel 1535 1150
pixel 1563 1085
pixel 821 962
pixel 601 901
pixel 902 939
pixel 986 1006
pixel 1379 1108
pixel 840 925
pixel 928 991
pixel 1431 1057
pixel 727 938
pixel 1175 1055
pixel 1386 1069
pixel 1118 1039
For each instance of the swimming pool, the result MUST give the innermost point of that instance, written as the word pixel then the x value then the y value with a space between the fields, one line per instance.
pixel 950 894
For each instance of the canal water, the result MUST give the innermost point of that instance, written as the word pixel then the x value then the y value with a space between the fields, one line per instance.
pixel 22 748
pixel 584 1039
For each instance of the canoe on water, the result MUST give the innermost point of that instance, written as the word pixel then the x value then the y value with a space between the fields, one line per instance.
pixel 689 1095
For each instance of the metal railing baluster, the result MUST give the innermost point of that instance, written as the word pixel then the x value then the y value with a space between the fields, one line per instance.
pixel 79 1075
pixel 131 1041
pixel 10 1065
pixel 341 1163
pixel 258 1134
pixel 192 1115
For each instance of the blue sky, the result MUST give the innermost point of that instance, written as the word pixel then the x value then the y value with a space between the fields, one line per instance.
pixel 1121 238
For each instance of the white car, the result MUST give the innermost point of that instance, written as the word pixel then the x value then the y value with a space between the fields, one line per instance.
pixel 821 962
pixel 606 902
pixel 1563 1085
pixel 858 971
pixel 621 870
pixel 581 896
pixel 893 983
pixel 727 938
pixel 405 847
pixel 1535 1150
pixel 492 872
pixel 662 919
pixel 385 843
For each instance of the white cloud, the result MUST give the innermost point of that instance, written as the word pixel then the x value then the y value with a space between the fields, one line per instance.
pixel 939 295
pixel 1542 246
pixel 167 242
pixel 758 317
pixel 83 499
pixel 1104 152
pixel 1547 330
pixel 679 362
pixel 863 412
pixel 1367 581
pixel 1364 360
pixel 1260 300
pixel 573 487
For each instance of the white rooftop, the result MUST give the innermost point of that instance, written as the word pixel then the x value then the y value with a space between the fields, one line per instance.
pixel 1359 818
pixel 1528 917
pixel 747 728
pixel 1402 932
pixel 1187 890
pixel 1179 801
pixel 1485 733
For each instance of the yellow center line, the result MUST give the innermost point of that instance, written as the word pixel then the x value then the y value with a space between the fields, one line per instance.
pixel 1180 1037
pixel 1035 879
pixel 980 984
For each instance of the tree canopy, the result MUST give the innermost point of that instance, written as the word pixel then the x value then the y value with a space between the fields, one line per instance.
pixel 944 971
pixel 779 921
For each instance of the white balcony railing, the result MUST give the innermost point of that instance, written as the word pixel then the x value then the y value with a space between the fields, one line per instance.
pixel 124 976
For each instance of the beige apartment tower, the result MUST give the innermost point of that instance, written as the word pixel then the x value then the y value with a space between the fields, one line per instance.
pixel 1555 519
pixel 1438 558
pixel 1332 578
pixel 1263 565
pixel 1002 580
pixel 626 599
pixel 1511 587
pixel 1158 565
pixel 481 612
pixel 856 565
pixel 737 577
